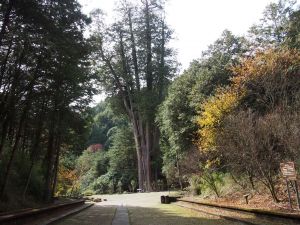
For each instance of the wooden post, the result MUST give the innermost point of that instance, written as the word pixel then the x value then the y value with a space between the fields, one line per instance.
pixel 246 198
pixel 297 192
pixel 288 189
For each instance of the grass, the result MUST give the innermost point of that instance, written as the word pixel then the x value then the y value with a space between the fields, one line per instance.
pixel 171 215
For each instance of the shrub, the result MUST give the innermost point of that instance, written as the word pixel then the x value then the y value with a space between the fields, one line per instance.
pixel 89 192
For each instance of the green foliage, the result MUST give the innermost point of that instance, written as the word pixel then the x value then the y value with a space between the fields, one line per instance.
pixel 218 59
pixel 45 89
pixel 135 65
pixel 92 165
pixel 178 113
pixel 293 33
pixel 212 181
pixel 274 25
pixel 119 187
pixel 175 120
pixel 234 78
pixel 122 156
pixel 133 184
pixel 195 185
pixel 251 125
pixel 102 185
pixel 103 120
pixel 109 170
pixel 89 193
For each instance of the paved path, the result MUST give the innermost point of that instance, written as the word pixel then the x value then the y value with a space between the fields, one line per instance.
pixel 94 215
pixel 121 216
pixel 140 209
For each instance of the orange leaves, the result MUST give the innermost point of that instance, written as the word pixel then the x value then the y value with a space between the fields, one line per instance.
pixel 67 174
pixel 273 61
pixel 67 180
pixel 261 83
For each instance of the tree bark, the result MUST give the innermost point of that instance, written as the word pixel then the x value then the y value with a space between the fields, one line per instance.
pixel 5 21
pixel 54 182
pixel 149 76
pixel 133 52
pixel 143 153
pixel 8 105
pixel 4 62
pixel 34 150
pixel 49 160
pixel 15 146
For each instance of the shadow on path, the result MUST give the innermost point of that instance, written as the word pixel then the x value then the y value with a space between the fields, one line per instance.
pixel 154 215
pixel 95 215
pixel 173 215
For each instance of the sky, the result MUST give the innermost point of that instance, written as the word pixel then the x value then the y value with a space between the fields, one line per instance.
pixel 198 23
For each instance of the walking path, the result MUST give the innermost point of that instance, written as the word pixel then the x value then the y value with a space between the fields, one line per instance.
pixel 140 209
pixel 93 216
pixel 121 216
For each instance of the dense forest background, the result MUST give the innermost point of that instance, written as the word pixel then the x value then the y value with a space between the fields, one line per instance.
pixel 222 126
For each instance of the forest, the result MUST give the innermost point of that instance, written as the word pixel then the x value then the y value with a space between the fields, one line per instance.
pixel 223 125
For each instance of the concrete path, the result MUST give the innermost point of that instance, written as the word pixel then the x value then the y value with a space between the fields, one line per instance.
pixel 140 209
pixel 95 215
pixel 121 216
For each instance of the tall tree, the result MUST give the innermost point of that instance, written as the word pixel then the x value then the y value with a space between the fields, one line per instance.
pixel 44 86
pixel 274 25
pixel 135 65
pixel 176 117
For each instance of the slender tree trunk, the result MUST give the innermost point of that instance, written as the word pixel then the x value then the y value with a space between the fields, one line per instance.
pixel 149 147
pixel 4 62
pixel 162 64
pixel 251 180
pixel 5 21
pixel 49 161
pixel 156 154
pixel 57 146
pixel 7 112
pixel 137 141
pixel 133 52
pixel 15 146
pixel 236 181
pixel 149 75
pixel 271 187
pixel 4 134
pixel 35 148
pixel 179 171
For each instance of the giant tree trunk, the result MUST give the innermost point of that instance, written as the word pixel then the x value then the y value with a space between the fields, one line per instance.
pixel 142 137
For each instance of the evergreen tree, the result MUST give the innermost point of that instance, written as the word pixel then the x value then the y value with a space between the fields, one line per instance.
pixel 135 66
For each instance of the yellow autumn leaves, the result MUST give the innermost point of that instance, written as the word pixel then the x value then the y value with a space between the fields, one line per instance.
pixel 255 73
